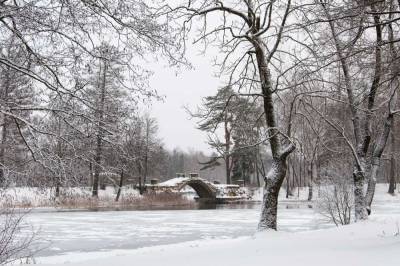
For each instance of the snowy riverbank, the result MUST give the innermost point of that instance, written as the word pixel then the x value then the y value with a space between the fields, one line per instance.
pixel 375 242
pixel 85 237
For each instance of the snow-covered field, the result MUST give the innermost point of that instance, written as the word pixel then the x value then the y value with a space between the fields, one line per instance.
pixel 224 236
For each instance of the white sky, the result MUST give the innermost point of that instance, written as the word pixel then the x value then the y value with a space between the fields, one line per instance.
pixel 187 88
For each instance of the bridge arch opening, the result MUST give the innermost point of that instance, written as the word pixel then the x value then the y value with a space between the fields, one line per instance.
pixel 203 190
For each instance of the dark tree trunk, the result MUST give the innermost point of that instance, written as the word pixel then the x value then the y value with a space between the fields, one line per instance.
pixel 288 181
pixel 121 183
pixel 91 174
pixel 311 180
pixel 4 132
pixel 141 185
pixel 60 155
pixel 2 151
pixel 277 173
pixel 99 137
pixel 392 174
pixel 57 190
pixel 227 157
pixel 257 172
pixel 376 159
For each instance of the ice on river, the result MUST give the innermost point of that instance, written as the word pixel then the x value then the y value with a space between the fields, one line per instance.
pixel 108 230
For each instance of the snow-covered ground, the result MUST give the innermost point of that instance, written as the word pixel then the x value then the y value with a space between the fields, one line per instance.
pixel 372 243
pixel 219 237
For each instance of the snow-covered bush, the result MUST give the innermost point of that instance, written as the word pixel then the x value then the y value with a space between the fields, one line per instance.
pixel 336 200
pixel 16 237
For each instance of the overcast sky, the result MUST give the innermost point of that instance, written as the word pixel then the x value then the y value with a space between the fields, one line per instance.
pixel 187 88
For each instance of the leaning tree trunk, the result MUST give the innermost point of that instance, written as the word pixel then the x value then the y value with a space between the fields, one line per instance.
pixel 277 173
pixel 376 159
pixel 381 142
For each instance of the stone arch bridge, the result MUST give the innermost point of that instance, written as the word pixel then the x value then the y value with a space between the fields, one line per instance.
pixel 206 191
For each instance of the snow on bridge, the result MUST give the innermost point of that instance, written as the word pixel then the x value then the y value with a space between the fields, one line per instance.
pixel 206 190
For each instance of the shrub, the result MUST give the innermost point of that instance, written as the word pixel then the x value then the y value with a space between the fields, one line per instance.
pixel 15 241
pixel 336 200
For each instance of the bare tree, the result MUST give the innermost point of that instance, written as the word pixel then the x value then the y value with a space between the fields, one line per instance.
pixel 356 60
pixel 252 31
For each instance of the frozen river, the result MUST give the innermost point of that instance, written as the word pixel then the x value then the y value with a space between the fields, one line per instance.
pixel 75 232
pixel 80 231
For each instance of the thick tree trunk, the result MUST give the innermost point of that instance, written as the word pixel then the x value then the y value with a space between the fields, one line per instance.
pixel 276 175
pixel 376 159
pixel 360 209
pixel 273 183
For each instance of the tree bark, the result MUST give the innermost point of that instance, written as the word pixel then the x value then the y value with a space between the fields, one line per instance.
pixel 4 131
pixel 277 173
pixel 2 151
pixel 392 178
pixel 227 156
pixel 141 185
pixel 273 183
pixel 376 158
pixel 99 137
pixel 59 154
pixel 121 183
pixel 311 172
